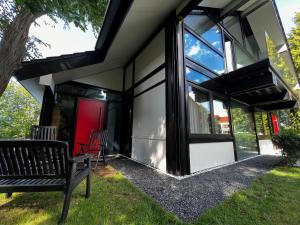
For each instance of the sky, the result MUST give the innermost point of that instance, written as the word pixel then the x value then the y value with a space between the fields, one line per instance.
pixel 70 40
pixel 287 9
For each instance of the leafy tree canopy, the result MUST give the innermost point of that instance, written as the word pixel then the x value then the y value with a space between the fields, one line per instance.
pixel 18 112
pixel 294 40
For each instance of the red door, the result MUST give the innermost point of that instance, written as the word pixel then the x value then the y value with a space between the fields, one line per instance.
pixel 90 115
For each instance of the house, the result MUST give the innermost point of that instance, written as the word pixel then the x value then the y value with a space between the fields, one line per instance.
pixel 182 86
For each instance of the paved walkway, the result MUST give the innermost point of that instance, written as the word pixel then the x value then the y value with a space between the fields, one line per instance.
pixel 189 198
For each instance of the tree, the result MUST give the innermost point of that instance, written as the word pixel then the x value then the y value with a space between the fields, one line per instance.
pixel 18 112
pixel 16 17
pixel 294 41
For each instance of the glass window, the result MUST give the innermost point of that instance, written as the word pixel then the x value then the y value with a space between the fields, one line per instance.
pixel 244 132
pixel 206 28
pixel 222 125
pixel 232 24
pixel 195 76
pixel 202 54
pixel 242 59
pixel 199 112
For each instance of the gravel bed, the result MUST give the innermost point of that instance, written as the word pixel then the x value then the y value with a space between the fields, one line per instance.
pixel 190 197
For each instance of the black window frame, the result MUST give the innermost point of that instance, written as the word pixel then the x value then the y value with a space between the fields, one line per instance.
pixel 213 137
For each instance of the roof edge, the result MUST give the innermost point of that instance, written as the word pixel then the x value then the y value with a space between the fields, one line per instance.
pixel 116 13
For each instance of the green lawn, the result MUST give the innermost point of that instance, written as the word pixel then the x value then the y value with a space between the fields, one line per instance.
pixel 272 199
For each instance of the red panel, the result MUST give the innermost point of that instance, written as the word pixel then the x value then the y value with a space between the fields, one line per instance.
pixel 90 116
pixel 275 124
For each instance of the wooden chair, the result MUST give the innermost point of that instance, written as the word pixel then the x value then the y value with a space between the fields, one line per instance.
pixel 98 143
pixel 44 133
pixel 40 166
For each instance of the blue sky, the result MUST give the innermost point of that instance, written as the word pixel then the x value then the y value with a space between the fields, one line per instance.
pixel 287 9
pixel 67 41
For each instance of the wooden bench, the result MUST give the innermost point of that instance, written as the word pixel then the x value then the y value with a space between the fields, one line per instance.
pixel 42 166
pixel 44 133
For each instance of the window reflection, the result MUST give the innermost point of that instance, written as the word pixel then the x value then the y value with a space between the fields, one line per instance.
pixel 199 112
pixel 242 59
pixel 207 29
pixel 195 76
pixel 245 138
pixel 202 54
pixel 221 117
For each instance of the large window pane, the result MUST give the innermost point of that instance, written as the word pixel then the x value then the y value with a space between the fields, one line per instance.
pixel 221 117
pixel 195 76
pixel 199 112
pixel 232 24
pixel 202 54
pixel 242 59
pixel 206 28
pixel 244 133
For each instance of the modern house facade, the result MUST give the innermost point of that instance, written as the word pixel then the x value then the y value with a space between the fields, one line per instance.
pixel 182 86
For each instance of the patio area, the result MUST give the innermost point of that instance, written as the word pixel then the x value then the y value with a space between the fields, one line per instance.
pixel 190 197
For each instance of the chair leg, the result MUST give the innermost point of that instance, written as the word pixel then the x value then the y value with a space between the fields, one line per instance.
pixel 98 157
pixel 66 206
pixel 102 152
pixel 9 195
pixel 88 187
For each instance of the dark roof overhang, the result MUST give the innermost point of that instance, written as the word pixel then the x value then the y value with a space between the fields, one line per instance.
pixel 40 67
pixel 260 86
pixel 115 15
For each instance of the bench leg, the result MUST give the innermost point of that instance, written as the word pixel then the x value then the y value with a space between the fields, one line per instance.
pixel 9 195
pixel 66 206
pixel 88 187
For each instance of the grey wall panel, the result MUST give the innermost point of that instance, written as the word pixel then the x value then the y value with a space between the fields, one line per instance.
pixel 112 79
pixel 151 57
pixel 128 76
pixel 150 82
pixel 149 114
pixel 208 155
pixel 150 152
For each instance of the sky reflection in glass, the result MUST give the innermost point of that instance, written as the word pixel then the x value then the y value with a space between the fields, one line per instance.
pixel 202 54
pixel 207 29
pixel 195 76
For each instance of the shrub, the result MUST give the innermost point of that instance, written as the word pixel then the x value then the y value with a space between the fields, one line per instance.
pixel 289 141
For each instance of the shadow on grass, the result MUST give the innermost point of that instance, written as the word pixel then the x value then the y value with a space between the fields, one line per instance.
pixel 113 201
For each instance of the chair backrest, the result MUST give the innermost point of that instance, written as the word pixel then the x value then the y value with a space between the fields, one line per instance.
pixel 34 159
pixel 97 138
pixel 44 133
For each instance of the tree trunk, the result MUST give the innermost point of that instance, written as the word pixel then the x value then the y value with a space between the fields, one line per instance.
pixel 12 46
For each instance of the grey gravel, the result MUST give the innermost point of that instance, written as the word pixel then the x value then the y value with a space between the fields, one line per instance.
pixel 190 197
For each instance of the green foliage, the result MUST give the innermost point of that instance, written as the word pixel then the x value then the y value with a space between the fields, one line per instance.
pixel 289 141
pixel 80 12
pixel 294 41
pixel 18 111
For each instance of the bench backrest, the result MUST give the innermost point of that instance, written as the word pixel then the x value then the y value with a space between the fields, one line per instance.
pixel 33 159
pixel 44 133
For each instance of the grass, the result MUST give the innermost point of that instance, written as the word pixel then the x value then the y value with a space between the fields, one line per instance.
pixel 272 199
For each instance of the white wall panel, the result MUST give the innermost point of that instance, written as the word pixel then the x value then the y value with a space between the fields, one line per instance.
pixel 112 79
pixel 267 147
pixel 150 82
pixel 149 114
pixel 128 77
pixel 208 155
pixel 149 128
pixel 150 152
pixel 151 57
